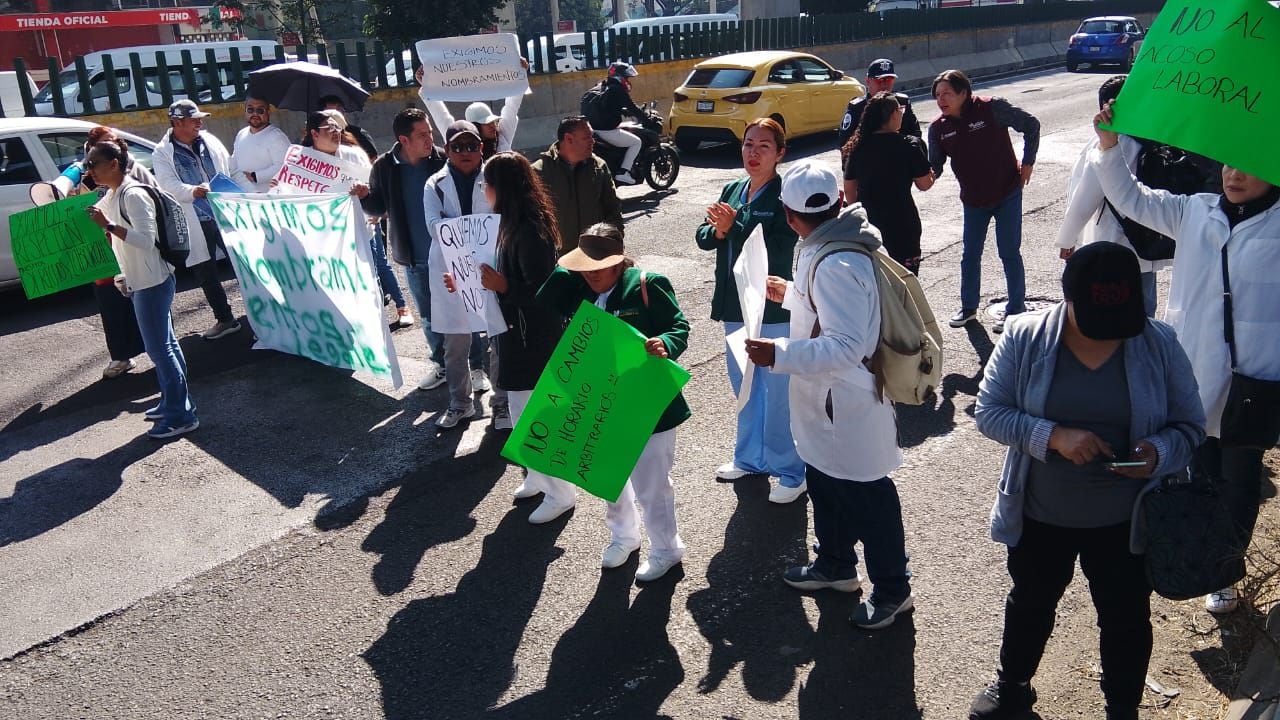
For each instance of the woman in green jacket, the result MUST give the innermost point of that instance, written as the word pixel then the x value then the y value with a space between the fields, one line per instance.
pixel 599 271
pixel 764 445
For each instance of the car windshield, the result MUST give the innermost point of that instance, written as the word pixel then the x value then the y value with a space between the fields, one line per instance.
pixel 719 78
pixel 1098 27
pixel 66 79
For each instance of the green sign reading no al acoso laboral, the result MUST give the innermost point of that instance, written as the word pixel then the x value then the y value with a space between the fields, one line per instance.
pixel 595 405
pixel 1206 80
pixel 57 246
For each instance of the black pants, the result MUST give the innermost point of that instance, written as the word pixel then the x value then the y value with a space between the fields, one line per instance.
pixel 1041 565
pixel 119 324
pixel 206 273
pixel 844 512
pixel 1239 473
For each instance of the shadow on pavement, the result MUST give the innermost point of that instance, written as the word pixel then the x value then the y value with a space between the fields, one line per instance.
pixel 453 655
pixel 917 423
pixel 747 615
pixel 65 491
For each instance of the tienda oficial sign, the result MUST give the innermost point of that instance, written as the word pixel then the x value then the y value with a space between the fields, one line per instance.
pixel 122 18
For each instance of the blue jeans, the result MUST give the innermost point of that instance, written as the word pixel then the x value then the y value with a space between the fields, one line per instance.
pixel 419 277
pixel 154 321
pixel 1008 216
pixel 764 443
pixel 386 276
pixel 1149 293
pixel 845 512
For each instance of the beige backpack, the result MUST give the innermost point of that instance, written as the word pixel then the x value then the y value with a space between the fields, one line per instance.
pixel 908 359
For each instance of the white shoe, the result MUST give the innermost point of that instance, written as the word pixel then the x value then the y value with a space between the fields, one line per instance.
pixel 547 512
pixel 434 378
pixel 729 471
pixel 479 383
pixel 782 494
pixel 404 317
pixel 616 554
pixel 452 417
pixel 655 566
pixel 525 491
pixel 1222 602
pixel 116 368
pixel 624 178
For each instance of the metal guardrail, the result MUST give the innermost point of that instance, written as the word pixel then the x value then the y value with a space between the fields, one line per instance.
pixel 375 65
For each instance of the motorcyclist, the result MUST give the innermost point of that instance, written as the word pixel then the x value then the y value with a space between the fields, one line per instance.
pixel 608 113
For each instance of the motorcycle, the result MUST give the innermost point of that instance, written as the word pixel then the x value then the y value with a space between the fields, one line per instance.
pixel 658 162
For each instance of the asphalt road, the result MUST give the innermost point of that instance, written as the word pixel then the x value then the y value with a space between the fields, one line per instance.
pixel 318 549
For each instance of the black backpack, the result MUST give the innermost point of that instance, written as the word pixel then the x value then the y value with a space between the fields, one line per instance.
pixel 173 237
pixel 1160 167
pixel 594 105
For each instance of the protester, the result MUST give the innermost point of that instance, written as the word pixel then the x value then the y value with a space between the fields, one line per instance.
pixel 184 161
pixel 974 133
pixel 119 325
pixel 362 136
pixel 606 117
pixel 1068 390
pixel 579 182
pixel 880 78
pixel 128 214
pixel 325 130
pixel 1088 218
pixel 497 132
pixel 526 254
pixel 454 191
pixel 396 184
pixel 1233 232
pixel 599 271
pixel 764 445
pixel 882 166
pixel 259 148
pixel 844 431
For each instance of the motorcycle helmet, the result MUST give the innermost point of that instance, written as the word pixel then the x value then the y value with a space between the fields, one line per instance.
pixel 622 70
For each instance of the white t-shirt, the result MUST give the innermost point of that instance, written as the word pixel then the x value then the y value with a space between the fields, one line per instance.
pixel 261 153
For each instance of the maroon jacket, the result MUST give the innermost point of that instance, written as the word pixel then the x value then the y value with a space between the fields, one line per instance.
pixel 980 150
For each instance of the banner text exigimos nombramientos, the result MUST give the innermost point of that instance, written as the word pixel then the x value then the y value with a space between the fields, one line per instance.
pixel 595 405
pixel 307 278
pixel 1205 80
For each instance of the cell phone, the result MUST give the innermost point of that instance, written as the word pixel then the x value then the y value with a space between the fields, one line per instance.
pixel 1126 464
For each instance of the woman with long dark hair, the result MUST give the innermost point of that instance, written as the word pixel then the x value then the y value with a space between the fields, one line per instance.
pixel 882 166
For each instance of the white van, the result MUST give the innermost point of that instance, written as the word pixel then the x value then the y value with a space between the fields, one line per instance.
pixel 635 47
pixel 120 61
pixel 675 21
pixel 11 95
pixel 570 51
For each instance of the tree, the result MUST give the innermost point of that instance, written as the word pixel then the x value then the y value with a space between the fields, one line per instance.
pixel 312 20
pixel 535 15
pixel 407 21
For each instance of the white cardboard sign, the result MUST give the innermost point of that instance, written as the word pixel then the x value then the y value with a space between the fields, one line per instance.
pixel 475 67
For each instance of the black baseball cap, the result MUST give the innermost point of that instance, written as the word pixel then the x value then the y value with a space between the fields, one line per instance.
pixel 461 127
pixel 1104 286
pixel 881 68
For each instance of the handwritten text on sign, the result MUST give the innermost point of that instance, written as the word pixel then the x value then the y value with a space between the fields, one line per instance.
pixel 306 275
pixel 595 405
pixel 307 171
pixel 1211 64
pixel 467 243
pixel 476 67
pixel 57 247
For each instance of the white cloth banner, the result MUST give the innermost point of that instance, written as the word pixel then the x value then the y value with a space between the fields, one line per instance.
pixel 475 67
pixel 307 278
pixel 468 242
pixel 307 171
pixel 751 270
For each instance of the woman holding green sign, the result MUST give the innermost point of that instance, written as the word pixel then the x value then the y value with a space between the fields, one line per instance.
pixel 599 272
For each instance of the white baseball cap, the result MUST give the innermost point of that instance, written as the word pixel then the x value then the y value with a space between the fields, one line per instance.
pixel 810 187
pixel 479 113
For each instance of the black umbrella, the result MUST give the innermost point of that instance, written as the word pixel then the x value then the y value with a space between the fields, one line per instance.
pixel 300 85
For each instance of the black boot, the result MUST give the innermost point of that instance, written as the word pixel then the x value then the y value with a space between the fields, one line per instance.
pixel 1002 700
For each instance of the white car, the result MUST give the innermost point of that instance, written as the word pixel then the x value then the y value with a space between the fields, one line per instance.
pixel 38 149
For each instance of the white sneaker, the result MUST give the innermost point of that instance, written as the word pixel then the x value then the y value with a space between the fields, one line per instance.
pixel 525 491
pixel 655 566
pixel 404 317
pixel 624 178
pixel 616 554
pixel 116 368
pixel 782 494
pixel 548 511
pixel 1222 602
pixel 479 383
pixel 452 417
pixel 435 378
pixel 729 471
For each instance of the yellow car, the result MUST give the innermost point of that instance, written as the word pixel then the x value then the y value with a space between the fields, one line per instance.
pixel 723 94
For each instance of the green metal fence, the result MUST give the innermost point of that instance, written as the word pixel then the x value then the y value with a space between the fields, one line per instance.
pixel 375 65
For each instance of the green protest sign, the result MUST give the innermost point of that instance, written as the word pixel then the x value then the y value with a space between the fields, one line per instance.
pixel 57 246
pixel 595 405
pixel 1205 80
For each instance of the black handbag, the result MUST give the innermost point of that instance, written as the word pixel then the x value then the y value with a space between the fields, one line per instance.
pixel 1191 547
pixel 1251 417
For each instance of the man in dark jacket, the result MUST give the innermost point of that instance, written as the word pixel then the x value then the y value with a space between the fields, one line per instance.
pixel 578 182
pixel 880 78
pixel 607 114
pixel 396 183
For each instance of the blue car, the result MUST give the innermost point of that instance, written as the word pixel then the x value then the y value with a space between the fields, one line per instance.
pixel 1107 40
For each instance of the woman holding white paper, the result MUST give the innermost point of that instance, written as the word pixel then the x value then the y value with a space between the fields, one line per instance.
pixel 764 445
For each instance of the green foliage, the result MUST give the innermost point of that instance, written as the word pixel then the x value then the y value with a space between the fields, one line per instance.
pixel 534 16
pixel 407 21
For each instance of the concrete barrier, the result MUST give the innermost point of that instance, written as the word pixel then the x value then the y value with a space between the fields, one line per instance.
pixel 918 59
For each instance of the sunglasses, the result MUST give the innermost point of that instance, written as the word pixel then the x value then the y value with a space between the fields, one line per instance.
pixel 91 164
pixel 465 147
pixel 256 110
